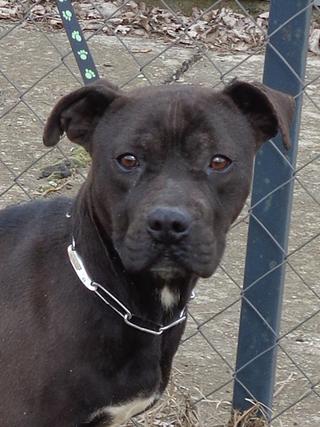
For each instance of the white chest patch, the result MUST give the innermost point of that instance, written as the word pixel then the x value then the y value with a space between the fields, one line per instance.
pixel 124 411
pixel 169 298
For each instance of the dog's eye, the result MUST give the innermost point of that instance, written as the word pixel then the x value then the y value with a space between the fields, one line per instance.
pixel 128 161
pixel 219 163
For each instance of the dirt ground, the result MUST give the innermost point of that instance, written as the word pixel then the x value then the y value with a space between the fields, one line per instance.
pixel 205 361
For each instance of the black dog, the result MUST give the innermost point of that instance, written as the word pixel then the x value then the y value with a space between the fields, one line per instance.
pixel 88 339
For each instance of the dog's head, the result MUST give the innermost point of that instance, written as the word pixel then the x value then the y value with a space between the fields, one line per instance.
pixel 171 166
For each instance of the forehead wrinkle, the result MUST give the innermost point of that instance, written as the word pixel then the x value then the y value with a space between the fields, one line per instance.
pixel 175 121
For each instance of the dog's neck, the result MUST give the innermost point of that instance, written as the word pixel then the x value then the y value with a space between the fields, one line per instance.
pixel 148 295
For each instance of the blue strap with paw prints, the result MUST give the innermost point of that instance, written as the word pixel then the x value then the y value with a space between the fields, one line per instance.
pixel 77 41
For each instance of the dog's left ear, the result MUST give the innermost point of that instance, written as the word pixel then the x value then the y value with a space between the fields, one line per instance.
pixel 78 113
pixel 267 110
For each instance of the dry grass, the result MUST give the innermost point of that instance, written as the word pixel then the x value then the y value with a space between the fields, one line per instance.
pixel 174 409
pixel 255 416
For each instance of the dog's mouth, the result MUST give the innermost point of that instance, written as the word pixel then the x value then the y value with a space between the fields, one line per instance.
pixel 165 263
pixel 168 261
pixel 167 268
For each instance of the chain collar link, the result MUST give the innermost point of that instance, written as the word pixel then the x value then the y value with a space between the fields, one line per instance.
pixel 129 318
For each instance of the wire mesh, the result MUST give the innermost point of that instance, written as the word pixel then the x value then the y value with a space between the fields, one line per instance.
pixel 135 44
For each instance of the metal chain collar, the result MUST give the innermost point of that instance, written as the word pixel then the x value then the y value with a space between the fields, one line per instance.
pixel 113 302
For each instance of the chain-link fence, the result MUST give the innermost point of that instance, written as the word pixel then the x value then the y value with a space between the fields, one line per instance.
pixel 204 42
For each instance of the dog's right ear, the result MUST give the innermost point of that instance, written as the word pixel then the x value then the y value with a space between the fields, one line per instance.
pixel 78 113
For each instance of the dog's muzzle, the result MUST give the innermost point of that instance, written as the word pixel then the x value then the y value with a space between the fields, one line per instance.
pixel 169 242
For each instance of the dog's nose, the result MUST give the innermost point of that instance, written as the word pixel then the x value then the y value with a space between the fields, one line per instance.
pixel 168 225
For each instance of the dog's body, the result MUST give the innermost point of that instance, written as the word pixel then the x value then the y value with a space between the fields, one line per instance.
pixel 64 354
pixel 171 171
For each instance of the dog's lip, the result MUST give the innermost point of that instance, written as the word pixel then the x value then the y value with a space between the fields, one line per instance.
pixel 167 266
pixel 167 273
pixel 163 260
pixel 159 268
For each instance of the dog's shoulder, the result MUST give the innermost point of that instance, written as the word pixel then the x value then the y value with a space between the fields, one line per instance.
pixel 28 232
pixel 23 224
pixel 37 211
